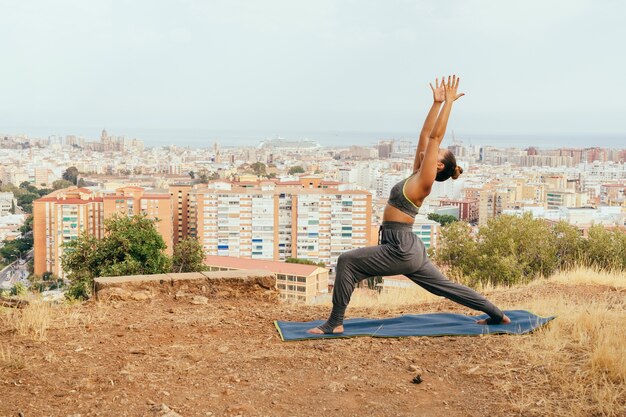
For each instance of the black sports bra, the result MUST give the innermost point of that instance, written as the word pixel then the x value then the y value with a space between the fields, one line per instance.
pixel 399 200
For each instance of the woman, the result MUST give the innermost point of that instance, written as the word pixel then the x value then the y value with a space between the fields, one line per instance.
pixel 400 251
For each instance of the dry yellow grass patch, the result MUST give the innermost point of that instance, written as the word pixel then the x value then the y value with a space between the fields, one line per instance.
pixel 35 320
pixel 580 356
pixel 391 297
pixel 10 360
pixel 32 321
pixel 591 276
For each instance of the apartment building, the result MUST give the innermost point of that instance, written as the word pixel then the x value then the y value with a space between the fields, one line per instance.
pixel 7 203
pixel 64 214
pixel 468 208
pixel 309 219
pixel 181 211
pixel 565 198
pixel 295 282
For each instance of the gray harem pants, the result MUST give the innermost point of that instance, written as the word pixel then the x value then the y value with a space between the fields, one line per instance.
pixel 400 252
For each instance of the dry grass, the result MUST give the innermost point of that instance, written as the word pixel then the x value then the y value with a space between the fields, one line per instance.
pixel 9 360
pixel 580 356
pixel 35 320
pixel 591 276
pixel 32 321
pixel 576 365
pixel 391 297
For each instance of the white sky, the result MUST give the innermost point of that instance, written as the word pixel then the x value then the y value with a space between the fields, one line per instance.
pixel 532 66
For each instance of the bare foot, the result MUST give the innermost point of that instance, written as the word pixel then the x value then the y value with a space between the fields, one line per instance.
pixel 317 330
pixel 505 320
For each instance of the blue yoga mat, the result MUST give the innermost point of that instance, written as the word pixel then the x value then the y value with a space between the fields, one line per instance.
pixel 436 324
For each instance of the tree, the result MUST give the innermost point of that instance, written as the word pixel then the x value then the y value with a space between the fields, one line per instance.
pixel 569 244
pixel 442 219
pixel 12 210
pixel 296 170
pixel 131 246
pixel 457 250
pixel 605 249
pixel 27 226
pixel 44 191
pixel 71 175
pixel 507 250
pixel 258 168
pixel 192 175
pixel 25 201
pixel 59 184
pixel 188 256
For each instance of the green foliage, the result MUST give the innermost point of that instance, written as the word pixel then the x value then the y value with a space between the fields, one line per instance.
pixel 304 261
pixel 519 248
pixel 14 249
pixel 457 249
pixel 27 226
pixel 59 184
pixel 258 168
pixel 25 195
pixel 569 245
pixel 606 248
pixel 188 256
pixel 18 289
pixel 131 246
pixel 296 170
pixel 71 175
pixel 510 250
pixel 442 219
pixel 25 185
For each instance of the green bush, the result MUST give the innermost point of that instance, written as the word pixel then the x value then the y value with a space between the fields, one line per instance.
pixel 509 250
pixel 18 289
pixel 131 246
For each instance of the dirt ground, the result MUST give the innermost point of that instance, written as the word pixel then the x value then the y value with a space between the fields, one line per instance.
pixel 225 358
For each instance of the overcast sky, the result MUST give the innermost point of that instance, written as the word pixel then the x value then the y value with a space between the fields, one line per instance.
pixel 532 66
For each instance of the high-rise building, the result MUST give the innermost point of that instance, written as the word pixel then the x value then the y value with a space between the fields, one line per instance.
pixel 180 220
pixel 64 214
pixel 276 221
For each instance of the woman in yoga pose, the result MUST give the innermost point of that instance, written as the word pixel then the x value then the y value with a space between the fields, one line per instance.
pixel 400 251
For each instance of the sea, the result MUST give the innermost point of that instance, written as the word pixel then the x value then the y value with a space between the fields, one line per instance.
pixel 206 138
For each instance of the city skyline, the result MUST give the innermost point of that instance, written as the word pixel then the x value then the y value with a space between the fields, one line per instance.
pixel 205 138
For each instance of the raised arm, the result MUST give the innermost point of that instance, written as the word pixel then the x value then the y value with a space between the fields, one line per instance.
pixel 421 184
pixel 429 123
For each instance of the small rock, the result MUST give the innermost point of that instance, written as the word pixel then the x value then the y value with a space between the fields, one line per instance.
pixel 165 411
pixel 241 409
pixel 417 379
pixel 336 387
pixel 199 299
pixel 141 295
pixel 222 349
pixel 414 368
